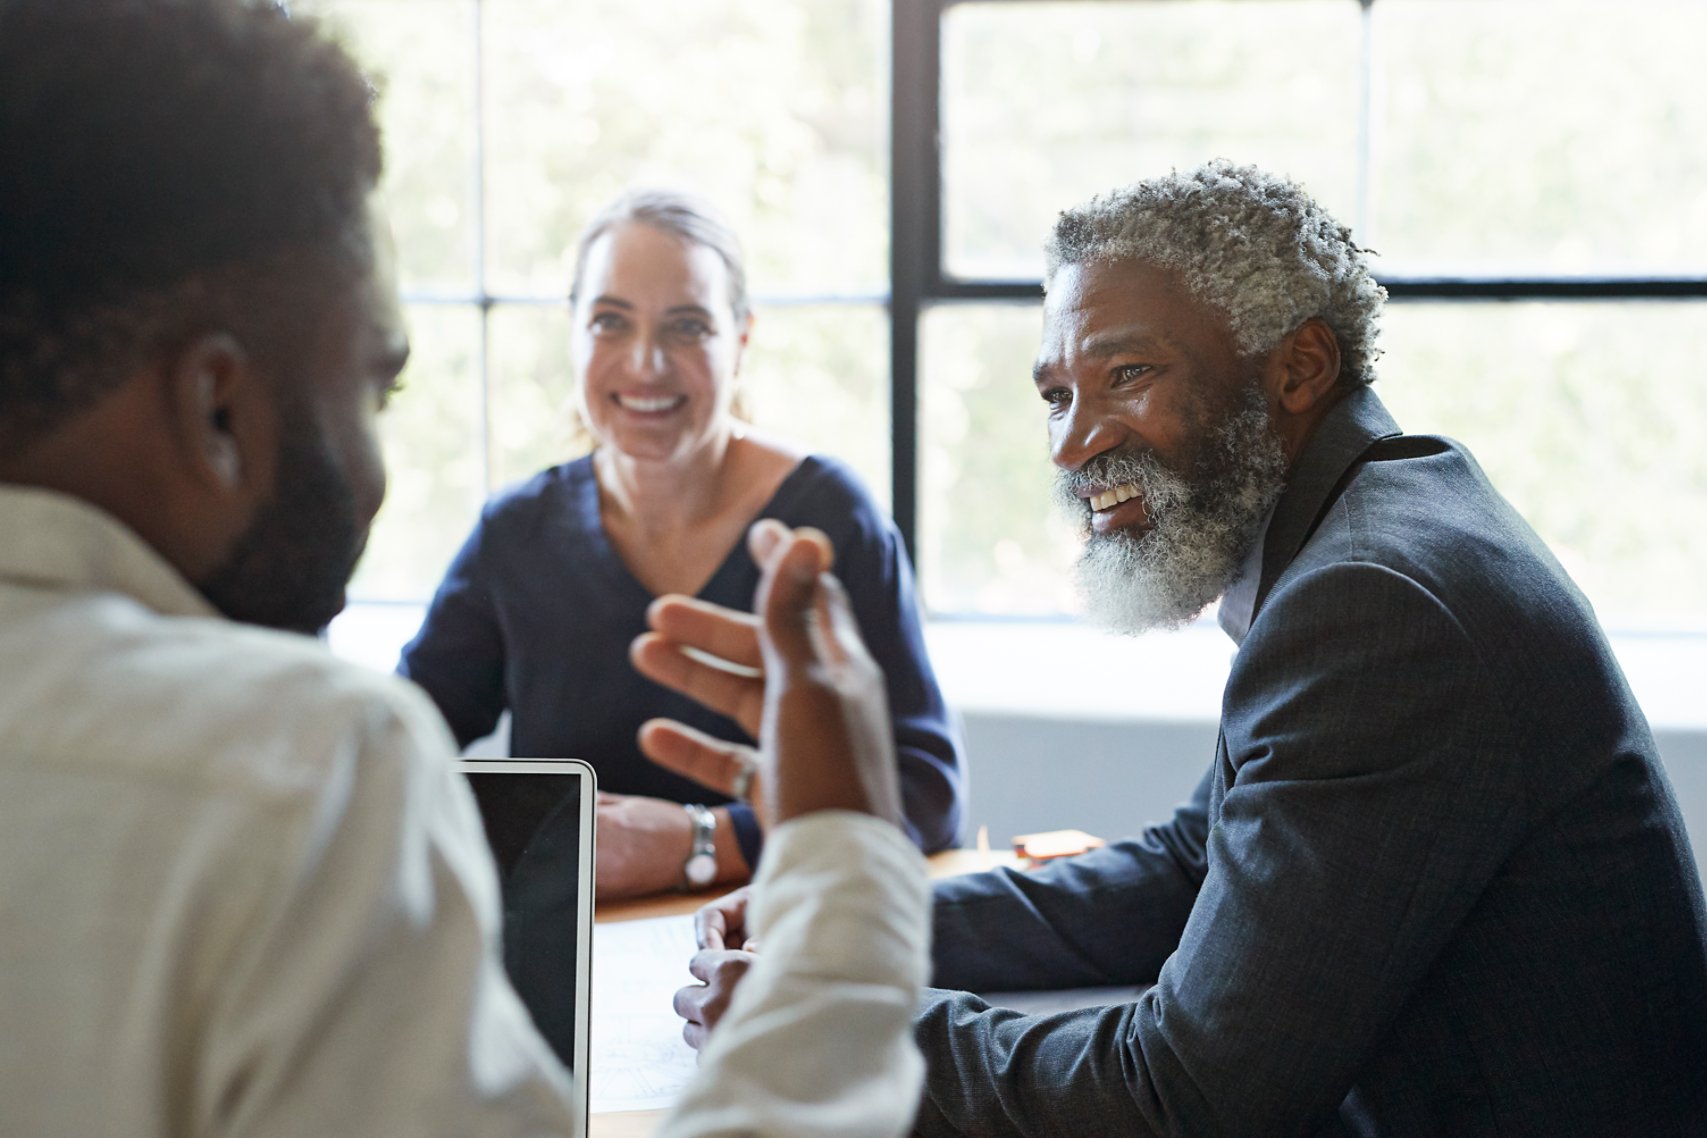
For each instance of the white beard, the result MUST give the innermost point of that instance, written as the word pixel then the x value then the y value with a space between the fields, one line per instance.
pixel 1202 526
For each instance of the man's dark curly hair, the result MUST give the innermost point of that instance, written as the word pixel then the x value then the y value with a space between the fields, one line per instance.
pixel 162 163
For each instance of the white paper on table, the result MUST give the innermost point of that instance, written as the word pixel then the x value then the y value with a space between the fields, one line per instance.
pixel 639 1060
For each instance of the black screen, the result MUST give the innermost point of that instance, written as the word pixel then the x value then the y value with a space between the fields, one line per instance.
pixel 533 822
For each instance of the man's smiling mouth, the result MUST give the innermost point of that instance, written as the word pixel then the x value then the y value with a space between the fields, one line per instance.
pixel 1113 496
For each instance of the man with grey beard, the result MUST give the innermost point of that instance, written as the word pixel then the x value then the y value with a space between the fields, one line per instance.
pixel 243 890
pixel 1202 521
pixel 1434 880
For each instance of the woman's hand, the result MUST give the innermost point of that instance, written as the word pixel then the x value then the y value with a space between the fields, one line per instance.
pixel 644 843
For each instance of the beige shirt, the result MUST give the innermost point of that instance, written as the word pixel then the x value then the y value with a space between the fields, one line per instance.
pixel 242 892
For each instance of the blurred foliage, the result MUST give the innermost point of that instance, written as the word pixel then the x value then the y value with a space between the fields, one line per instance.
pixel 1539 135
pixel 778 113
pixel 418 53
pixel 1046 102
pixel 990 540
pixel 1503 135
pixel 818 376
pixel 775 111
pixel 431 437
pixel 530 392
pixel 1591 419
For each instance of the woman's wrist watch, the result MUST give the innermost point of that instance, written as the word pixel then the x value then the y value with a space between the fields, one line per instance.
pixel 700 869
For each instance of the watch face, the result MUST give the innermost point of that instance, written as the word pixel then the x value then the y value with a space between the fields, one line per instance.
pixel 701 868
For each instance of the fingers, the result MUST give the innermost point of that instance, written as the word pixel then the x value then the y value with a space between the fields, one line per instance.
pixel 763 536
pixel 713 629
pixel 695 1035
pixel 702 1005
pixel 722 923
pixel 787 597
pixel 710 930
pixel 837 624
pixel 767 534
pixel 737 697
pixel 686 631
pixel 709 761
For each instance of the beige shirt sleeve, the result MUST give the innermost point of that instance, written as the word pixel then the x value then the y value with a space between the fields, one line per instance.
pixel 373 1000
pixel 819 1040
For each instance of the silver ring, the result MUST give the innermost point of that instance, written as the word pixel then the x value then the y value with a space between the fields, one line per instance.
pixel 743 782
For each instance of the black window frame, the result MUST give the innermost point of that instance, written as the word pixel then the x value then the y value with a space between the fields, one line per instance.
pixel 919 280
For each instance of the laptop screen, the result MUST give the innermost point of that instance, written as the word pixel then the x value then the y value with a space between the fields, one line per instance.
pixel 533 822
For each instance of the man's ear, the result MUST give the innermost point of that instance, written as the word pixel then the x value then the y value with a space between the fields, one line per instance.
pixel 223 414
pixel 1306 367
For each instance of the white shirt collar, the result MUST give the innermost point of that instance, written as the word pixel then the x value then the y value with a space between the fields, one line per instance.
pixel 56 541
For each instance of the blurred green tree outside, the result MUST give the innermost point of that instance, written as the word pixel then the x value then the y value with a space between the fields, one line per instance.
pixel 1456 136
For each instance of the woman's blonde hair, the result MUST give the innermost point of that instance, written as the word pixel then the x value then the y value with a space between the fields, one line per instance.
pixel 689 218
pixel 682 215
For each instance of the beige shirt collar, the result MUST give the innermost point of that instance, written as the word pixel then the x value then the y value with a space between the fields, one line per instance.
pixel 55 541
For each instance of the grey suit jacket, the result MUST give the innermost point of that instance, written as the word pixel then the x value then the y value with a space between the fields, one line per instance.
pixel 1434 882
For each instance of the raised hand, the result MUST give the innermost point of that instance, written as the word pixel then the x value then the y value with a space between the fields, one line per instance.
pixel 805 685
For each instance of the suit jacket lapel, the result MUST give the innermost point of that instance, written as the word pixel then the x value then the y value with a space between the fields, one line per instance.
pixel 1340 439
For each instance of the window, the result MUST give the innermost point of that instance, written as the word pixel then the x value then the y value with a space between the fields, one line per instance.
pixel 1530 170
pixel 509 122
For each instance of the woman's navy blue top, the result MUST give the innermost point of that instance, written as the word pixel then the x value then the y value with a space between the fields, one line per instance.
pixel 536 613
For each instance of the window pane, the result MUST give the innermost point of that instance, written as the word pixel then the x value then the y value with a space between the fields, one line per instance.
pixel 420 52
pixel 990 539
pixel 1046 103
pixel 817 376
pixel 777 112
pixel 432 459
pixel 1591 419
pixel 532 419
pixel 814 375
pixel 1540 135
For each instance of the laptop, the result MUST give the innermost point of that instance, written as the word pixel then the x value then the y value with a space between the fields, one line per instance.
pixel 539 821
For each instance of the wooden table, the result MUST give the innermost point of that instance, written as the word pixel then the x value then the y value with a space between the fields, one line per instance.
pixel 642 1123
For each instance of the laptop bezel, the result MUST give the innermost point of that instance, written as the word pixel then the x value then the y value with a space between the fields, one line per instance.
pixel 584 900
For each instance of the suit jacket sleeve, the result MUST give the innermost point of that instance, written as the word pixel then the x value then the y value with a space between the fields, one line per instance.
pixel 1109 917
pixel 1366 805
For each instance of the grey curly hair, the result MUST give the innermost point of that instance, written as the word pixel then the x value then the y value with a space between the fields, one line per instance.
pixel 1251 243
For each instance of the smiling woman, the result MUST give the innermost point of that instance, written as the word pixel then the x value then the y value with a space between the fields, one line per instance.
pixel 536 613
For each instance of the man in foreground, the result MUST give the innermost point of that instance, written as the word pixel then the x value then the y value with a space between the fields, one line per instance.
pixel 243 890
pixel 1434 880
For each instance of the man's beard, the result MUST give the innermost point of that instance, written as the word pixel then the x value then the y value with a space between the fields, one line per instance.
pixel 289 570
pixel 1203 522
